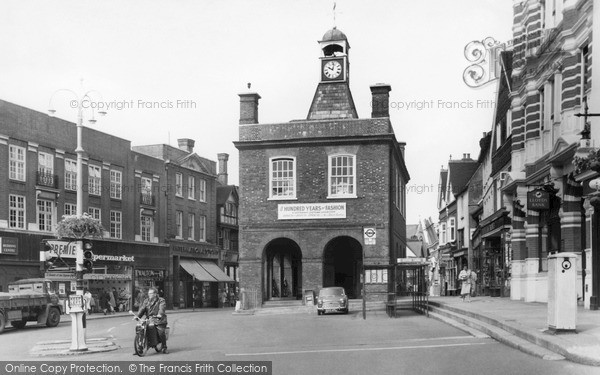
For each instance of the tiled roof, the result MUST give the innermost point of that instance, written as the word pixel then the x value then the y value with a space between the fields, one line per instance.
pixel 332 101
pixel 460 173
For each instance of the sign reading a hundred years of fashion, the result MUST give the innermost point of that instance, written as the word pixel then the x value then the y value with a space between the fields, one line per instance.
pixel 297 211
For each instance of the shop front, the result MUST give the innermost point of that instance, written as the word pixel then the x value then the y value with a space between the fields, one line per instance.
pixel 125 270
pixel 200 281
pixel 496 255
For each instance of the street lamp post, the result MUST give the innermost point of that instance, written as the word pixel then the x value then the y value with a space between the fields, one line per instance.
pixel 77 308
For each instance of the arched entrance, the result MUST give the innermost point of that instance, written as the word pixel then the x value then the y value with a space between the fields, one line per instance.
pixel 342 265
pixel 282 266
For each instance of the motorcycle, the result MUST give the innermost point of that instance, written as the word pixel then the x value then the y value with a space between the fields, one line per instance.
pixel 146 335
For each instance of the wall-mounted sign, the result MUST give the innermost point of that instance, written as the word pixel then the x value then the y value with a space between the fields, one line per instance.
pixel 9 245
pixel 538 200
pixel 369 236
pixel 298 211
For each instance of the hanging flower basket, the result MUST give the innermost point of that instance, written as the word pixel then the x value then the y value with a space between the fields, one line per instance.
pixel 592 161
pixel 84 226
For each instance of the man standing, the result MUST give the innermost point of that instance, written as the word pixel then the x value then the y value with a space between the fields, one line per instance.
pixel 154 306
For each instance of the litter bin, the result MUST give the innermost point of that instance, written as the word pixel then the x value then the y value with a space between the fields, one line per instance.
pixel 562 291
pixel 309 297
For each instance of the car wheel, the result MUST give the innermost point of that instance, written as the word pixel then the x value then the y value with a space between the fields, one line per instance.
pixel 319 312
pixel 53 317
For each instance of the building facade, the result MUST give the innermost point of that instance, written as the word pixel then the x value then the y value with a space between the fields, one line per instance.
pixel 136 195
pixel 311 191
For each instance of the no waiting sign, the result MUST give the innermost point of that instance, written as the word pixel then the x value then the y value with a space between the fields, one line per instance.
pixel 369 235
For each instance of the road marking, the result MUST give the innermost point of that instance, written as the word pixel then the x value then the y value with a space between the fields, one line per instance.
pixel 359 349
pixel 111 328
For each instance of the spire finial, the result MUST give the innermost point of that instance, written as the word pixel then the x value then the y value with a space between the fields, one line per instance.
pixel 334 5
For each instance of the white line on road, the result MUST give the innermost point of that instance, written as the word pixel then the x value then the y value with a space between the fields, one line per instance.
pixel 111 328
pixel 359 349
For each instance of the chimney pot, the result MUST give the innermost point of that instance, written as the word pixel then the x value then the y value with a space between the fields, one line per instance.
pixel 380 102
pixel 222 176
pixel 186 144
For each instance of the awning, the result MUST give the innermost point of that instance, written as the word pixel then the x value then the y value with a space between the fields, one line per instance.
pixel 195 270
pixel 215 271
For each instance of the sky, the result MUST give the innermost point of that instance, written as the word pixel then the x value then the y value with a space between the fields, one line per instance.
pixel 167 70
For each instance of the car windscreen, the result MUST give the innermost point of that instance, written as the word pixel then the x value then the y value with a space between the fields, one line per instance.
pixel 330 292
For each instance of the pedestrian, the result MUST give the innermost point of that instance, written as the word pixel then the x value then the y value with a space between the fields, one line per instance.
pixel 154 307
pixel 468 281
pixel 104 301
pixel 112 303
pixel 87 300
pixel 465 287
pixel 115 295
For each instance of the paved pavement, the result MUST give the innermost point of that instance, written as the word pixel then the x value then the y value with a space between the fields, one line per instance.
pixel 529 320
pixel 524 319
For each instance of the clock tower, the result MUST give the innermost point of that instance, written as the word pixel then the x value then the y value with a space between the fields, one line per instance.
pixel 333 98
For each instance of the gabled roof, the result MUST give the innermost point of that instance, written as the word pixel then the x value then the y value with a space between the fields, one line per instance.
pixel 224 192
pixel 195 162
pixel 460 172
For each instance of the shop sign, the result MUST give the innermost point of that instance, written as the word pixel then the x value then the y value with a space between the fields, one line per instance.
pixel 492 226
pixel 9 245
pixel 66 249
pixel 297 211
pixel 150 274
pixel 114 258
pixel 106 276
pixel 59 275
pixel 230 256
pixel 538 200
pixel 412 260
pixel 204 251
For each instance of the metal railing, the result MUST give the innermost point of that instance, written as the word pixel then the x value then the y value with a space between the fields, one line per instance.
pixel 147 199
pixel 46 179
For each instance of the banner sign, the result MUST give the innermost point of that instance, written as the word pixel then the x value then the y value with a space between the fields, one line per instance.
pixel 298 211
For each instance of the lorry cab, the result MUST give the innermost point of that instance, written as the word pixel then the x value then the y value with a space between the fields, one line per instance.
pixel 30 300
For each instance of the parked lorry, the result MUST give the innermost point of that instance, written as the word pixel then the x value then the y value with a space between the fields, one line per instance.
pixel 29 300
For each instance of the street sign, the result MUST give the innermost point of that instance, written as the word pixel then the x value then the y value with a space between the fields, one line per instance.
pixel 369 235
pixel 76 303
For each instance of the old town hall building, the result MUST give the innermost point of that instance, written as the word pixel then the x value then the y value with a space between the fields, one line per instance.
pixel 311 189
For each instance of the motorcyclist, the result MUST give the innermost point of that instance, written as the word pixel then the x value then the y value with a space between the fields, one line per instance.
pixel 154 306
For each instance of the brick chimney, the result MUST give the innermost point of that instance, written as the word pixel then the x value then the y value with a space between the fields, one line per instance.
pixel 380 104
pixel 249 108
pixel 186 144
pixel 222 176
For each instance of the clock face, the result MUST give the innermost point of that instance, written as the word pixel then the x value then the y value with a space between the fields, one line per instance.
pixel 332 69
